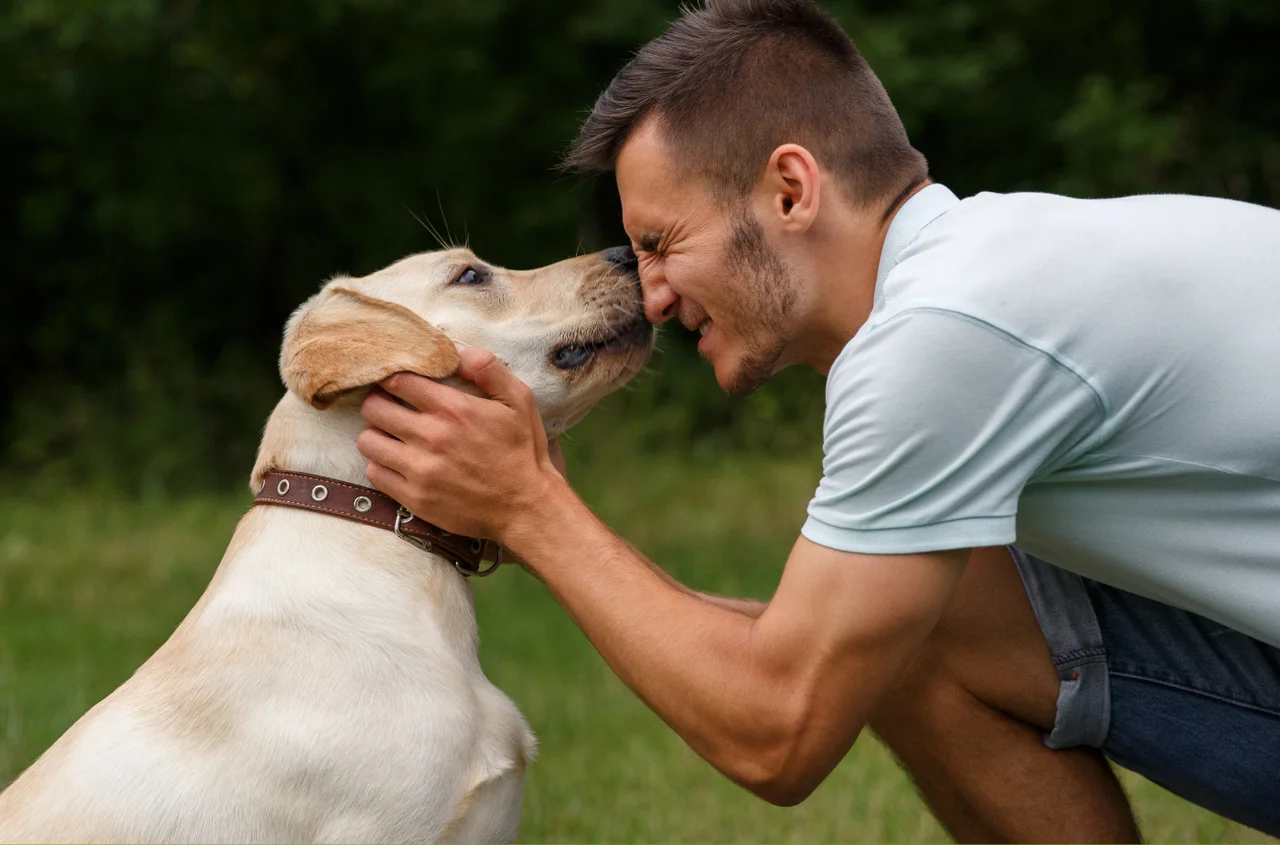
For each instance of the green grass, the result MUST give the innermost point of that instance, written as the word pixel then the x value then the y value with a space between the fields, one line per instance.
pixel 90 587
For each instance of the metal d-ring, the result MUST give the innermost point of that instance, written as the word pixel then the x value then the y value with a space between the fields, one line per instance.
pixel 467 571
pixel 403 517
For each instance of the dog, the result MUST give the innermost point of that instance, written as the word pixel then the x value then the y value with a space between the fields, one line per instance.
pixel 326 686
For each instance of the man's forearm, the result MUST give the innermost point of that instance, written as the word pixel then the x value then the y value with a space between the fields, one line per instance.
pixel 747 607
pixel 689 657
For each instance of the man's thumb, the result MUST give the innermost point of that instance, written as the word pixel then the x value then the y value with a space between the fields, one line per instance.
pixel 485 371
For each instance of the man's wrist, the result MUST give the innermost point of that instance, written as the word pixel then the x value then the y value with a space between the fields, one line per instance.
pixel 543 515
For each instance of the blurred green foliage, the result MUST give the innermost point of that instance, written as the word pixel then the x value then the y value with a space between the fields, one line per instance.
pixel 180 174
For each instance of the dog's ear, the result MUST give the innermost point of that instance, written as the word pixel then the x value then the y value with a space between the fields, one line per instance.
pixel 341 340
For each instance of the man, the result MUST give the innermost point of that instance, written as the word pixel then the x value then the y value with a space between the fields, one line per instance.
pixel 1095 381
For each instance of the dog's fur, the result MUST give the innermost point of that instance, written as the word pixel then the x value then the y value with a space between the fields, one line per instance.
pixel 326 686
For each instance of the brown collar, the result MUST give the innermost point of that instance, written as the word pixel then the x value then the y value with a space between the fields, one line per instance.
pixel 366 505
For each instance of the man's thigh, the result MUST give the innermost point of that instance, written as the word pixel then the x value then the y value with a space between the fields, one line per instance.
pixel 990 641
pixel 1182 700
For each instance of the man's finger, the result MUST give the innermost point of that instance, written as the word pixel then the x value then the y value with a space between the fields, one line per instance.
pixel 419 391
pixel 384 449
pixel 381 411
pixel 483 368
pixel 388 481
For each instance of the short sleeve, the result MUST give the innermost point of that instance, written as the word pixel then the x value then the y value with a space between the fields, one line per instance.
pixel 935 423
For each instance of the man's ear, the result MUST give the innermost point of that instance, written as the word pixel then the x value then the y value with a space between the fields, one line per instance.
pixel 340 340
pixel 793 184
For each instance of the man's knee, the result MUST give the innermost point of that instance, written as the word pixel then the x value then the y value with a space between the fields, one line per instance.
pixel 928 701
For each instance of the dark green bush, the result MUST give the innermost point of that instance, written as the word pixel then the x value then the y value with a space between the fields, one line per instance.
pixel 179 175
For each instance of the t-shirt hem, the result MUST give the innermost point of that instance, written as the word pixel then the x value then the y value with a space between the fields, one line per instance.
pixel 954 534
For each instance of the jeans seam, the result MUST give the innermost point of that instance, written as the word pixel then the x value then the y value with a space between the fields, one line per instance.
pixel 1080 657
pixel 1196 691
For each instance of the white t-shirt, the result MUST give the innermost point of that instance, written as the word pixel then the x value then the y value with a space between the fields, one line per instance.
pixel 1095 380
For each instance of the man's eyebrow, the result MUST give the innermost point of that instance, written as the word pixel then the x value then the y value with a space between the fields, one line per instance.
pixel 649 241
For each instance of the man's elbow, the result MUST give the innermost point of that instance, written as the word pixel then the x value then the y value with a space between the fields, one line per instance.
pixel 782 786
pixel 798 738
pixel 788 772
pixel 783 793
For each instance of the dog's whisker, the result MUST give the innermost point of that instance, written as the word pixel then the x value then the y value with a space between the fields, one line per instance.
pixel 431 229
pixel 444 218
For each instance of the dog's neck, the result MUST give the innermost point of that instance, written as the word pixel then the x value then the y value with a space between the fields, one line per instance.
pixel 300 438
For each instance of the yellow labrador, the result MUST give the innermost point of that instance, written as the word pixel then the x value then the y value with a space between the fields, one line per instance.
pixel 326 686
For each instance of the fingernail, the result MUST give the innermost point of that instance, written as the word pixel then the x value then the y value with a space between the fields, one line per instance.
pixel 461 346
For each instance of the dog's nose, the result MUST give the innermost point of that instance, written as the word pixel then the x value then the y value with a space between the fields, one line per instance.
pixel 623 257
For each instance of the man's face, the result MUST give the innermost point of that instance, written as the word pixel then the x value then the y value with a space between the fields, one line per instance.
pixel 708 266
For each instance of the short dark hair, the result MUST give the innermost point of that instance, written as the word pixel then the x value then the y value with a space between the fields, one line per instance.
pixel 734 79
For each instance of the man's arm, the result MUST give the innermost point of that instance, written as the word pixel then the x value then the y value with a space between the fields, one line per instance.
pixel 747 607
pixel 773 702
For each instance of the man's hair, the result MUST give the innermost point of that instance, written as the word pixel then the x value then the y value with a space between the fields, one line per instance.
pixel 734 79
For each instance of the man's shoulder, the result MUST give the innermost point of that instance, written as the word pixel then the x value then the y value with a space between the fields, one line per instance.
pixel 993 265
pixel 985 241
pixel 989 231
pixel 1016 262
pixel 1046 257
pixel 998 229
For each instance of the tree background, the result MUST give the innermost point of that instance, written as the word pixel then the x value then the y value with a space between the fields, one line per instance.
pixel 179 175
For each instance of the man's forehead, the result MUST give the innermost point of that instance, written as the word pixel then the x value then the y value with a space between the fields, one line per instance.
pixel 651 185
pixel 642 215
pixel 644 162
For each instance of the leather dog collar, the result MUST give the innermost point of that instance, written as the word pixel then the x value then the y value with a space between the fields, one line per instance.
pixel 370 507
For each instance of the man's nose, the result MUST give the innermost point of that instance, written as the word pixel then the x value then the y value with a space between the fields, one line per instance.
pixel 660 301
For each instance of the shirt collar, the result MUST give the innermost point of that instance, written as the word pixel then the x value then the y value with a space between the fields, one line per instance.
pixel 925 206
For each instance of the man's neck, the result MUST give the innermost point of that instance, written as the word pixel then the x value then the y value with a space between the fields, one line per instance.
pixel 848 259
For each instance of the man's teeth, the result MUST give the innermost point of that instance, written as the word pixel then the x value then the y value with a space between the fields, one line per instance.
pixel 705 327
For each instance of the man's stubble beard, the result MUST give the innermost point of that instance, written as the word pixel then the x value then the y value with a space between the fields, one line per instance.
pixel 766 296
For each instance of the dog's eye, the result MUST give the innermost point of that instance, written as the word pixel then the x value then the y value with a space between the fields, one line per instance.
pixel 470 276
pixel 573 357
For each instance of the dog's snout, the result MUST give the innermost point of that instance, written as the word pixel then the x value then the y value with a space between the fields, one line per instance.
pixel 622 257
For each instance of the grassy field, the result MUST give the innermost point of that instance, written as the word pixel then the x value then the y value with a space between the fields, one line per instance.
pixel 90 587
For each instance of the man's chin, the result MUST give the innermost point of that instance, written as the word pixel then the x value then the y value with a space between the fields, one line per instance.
pixel 741 377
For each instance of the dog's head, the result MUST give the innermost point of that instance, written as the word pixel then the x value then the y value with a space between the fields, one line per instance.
pixel 572 331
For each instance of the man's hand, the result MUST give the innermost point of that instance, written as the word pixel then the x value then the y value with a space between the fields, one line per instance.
pixel 464 463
